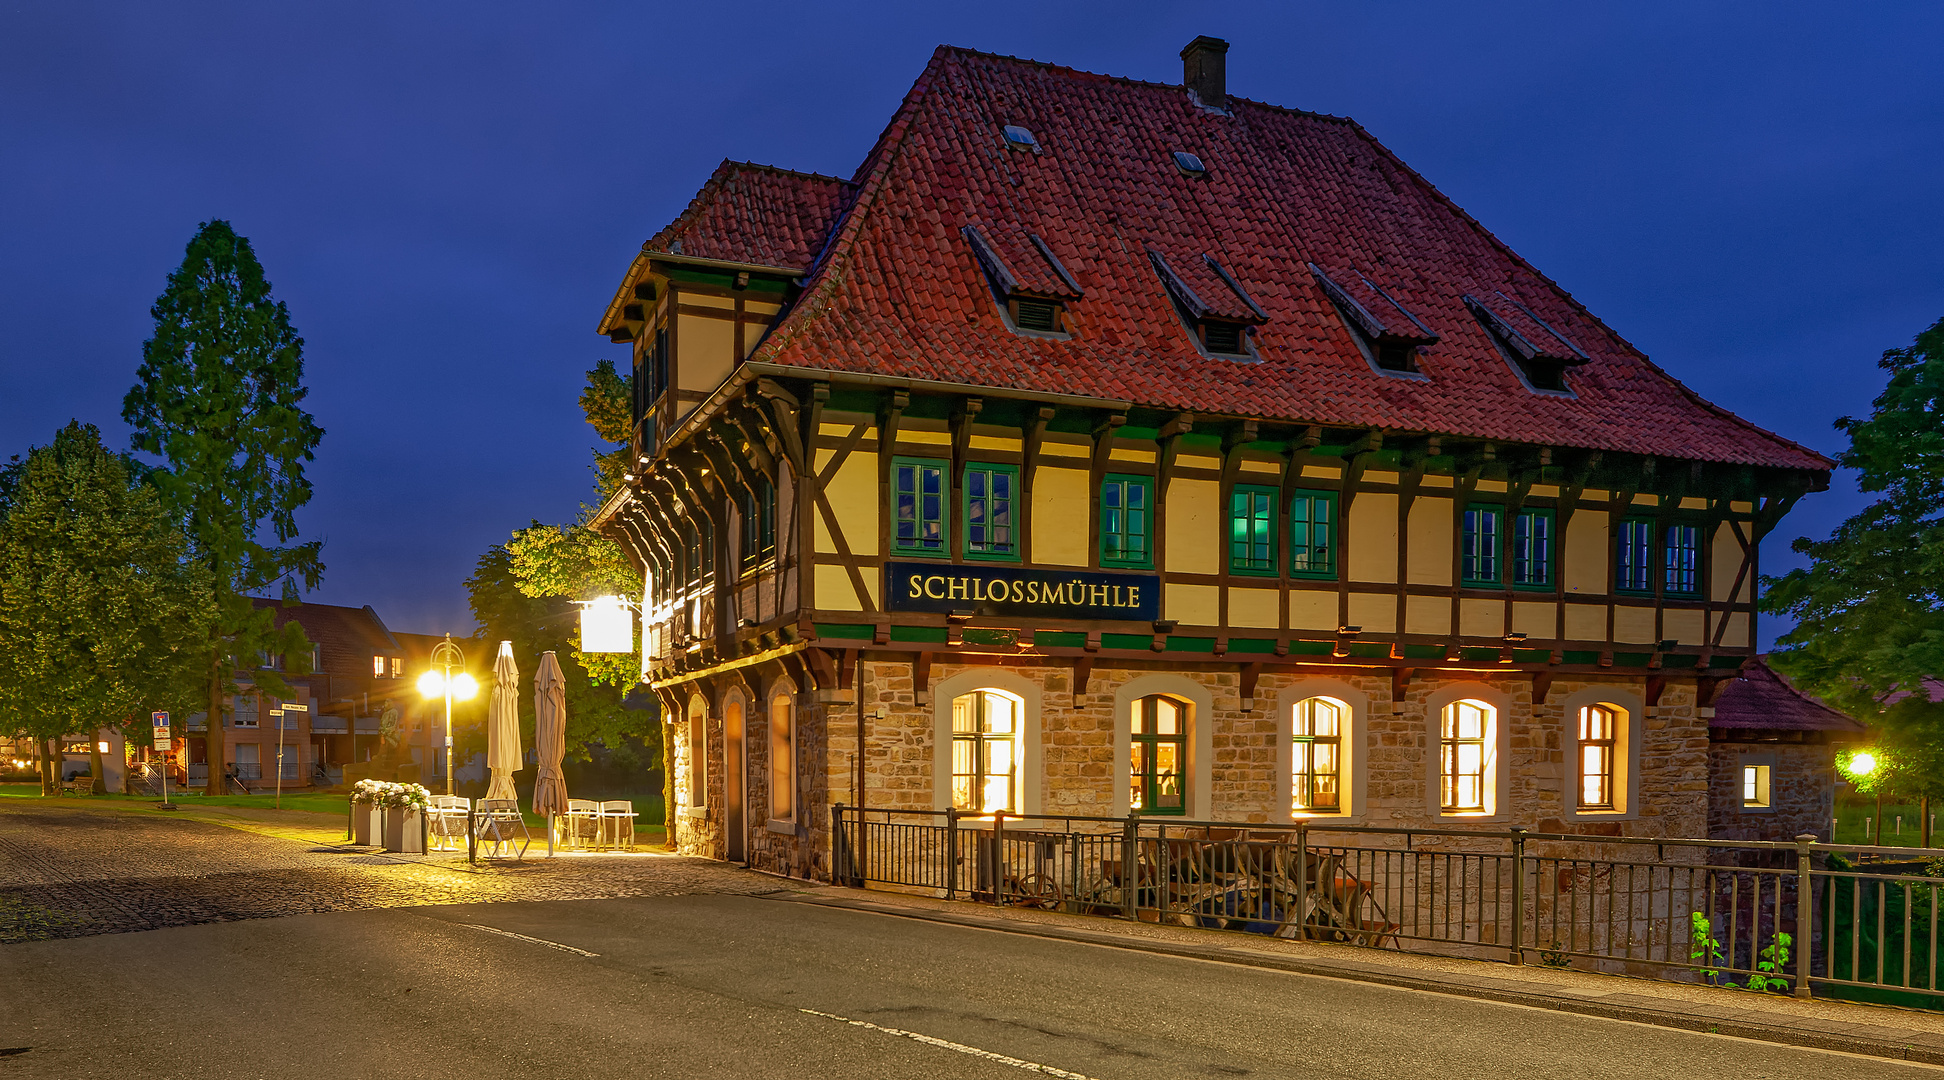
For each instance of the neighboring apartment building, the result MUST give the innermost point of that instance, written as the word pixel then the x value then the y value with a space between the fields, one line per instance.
pixel 1105 446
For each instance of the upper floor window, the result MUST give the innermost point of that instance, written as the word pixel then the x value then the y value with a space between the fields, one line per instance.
pixel 1465 741
pixel 1479 555
pixel 1125 521
pixel 377 667
pixel 1159 756
pixel 1312 534
pixel 1683 559
pixel 398 667
pixel 1599 729
pixel 990 532
pixel 695 556
pixel 1252 535
pixel 918 504
pixel 1316 756
pixel 1532 549
pixel 1679 564
pixel 758 525
pixel 1633 564
pixel 985 751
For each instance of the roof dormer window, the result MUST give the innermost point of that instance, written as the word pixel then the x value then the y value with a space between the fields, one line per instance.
pixel 1020 138
pixel 1212 304
pixel 1029 283
pixel 1538 354
pixel 1190 165
pixel 1224 337
pixel 1385 331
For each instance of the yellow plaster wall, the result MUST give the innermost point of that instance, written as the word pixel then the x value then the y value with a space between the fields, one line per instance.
pixel 1194 520
pixel 1261 468
pixel 1727 560
pixel 707 352
pixel 1312 609
pixel 1633 625
pixel 1060 501
pixel 1053 448
pixel 920 435
pixel 835 591
pixel 1257 608
pixel 1377 614
pixel 1481 618
pixel 1431 542
pixel 1584 565
pixel 1684 625
pixel 695 299
pixel 1373 537
pixel 994 442
pixel 1585 622
pixel 853 497
pixel 1534 620
pixel 1196 605
pixel 1125 453
pixel 1736 636
pixel 1322 472
pixel 1427 615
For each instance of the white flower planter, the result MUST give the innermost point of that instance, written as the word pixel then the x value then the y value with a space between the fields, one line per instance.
pixel 404 830
pixel 366 824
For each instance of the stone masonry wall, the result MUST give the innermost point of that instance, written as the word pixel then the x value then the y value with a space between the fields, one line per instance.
pixel 1801 791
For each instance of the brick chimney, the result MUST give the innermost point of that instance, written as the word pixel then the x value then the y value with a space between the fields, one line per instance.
pixel 1204 65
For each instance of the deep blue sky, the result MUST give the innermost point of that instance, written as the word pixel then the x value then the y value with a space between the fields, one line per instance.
pixel 446 196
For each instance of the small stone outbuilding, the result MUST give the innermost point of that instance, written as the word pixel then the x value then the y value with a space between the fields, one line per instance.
pixel 1772 759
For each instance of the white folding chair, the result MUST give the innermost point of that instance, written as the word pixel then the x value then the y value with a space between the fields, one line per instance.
pixel 445 819
pixel 498 822
pixel 580 824
pixel 618 815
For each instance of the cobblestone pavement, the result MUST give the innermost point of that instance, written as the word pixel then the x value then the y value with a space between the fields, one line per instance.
pixel 68 870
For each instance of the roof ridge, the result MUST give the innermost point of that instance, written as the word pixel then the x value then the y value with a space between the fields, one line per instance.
pixel 785 171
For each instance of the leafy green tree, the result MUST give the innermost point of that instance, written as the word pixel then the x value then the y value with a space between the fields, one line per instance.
pixel 219 398
pixel 102 618
pixel 1869 609
pixel 607 401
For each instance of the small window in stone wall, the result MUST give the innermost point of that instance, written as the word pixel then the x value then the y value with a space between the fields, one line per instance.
pixel 1755 785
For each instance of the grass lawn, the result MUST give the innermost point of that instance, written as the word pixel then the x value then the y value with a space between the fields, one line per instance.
pixel 1855 814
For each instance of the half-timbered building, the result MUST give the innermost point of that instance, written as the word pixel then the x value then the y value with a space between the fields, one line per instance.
pixel 1109 447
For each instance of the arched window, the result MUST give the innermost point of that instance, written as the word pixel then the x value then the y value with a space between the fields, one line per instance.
pixel 985 751
pixel 698 757
pixel 782 759
pixel 1599 731
pixel 1465 744
pixel 1316 756
pixel 1158 757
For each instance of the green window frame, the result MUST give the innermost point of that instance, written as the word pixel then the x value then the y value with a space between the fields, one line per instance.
pixel 1633 562
pixel 1126 521
pixel 1158 756
pixel 758 525
pixel 1312 535
pixel 1252 531
pixel 991 511
pixel 920 507
pixel 1681 559
pixel 1481 549
pixel 1533 546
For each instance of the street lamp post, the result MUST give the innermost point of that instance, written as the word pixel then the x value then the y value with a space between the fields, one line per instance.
pixel 442 682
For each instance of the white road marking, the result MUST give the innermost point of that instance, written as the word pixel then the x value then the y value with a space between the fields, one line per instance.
pixel 534 940
pixel 1017 1063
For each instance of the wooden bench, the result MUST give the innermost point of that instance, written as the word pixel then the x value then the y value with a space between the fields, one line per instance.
pixel 80 785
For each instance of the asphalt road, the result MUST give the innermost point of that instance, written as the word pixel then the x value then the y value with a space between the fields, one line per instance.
pixel 741 986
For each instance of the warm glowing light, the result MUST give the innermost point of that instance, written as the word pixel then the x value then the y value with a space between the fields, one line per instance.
pixel 102 746
pixel 432 684
pixel 464 686
pixel 1861 765
pixel 607 626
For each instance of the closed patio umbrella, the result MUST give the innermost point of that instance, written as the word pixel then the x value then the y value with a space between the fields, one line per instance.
pixel 550 741
pixel 503 754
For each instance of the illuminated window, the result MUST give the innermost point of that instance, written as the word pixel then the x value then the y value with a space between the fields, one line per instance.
pixel 397 667
pixel 1316 756
pixel 377 667
pixel 1464 757
pixel 698 756
pixel 1158 756
pixel 782 759
pixel 1252 536
pixel 1312 534
pixel 1599 727
pixel 918 506
pixel 990 531
pixel 1125 502
pixel 985 752
pixel 1755 786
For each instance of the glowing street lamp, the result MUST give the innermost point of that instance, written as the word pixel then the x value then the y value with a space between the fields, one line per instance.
pixel 1861 764
pixel 440 681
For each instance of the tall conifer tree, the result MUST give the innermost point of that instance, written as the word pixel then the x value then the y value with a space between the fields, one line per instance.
pixel 219 399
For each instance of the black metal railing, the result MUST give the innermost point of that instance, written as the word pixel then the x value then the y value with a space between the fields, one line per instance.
pixel 1774 916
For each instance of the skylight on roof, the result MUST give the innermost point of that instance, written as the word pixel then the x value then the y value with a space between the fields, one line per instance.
pixel 1189 164
pixel 1020 139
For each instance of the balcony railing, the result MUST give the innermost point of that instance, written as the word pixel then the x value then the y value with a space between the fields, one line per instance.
pixel 249 770
pixel 330 725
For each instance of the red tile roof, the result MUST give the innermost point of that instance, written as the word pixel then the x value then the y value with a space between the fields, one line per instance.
pixel 898 291
pixel 757 214
pixel 1761 698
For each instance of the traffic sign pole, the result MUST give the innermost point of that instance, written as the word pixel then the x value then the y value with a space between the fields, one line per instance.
pixel 161 744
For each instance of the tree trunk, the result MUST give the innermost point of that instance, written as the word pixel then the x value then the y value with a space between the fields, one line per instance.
pixel 94 764
pixel 50 769
pixel 213 730
pixel 668 781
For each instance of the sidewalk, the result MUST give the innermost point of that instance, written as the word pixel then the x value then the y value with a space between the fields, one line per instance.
pixel 1873 1030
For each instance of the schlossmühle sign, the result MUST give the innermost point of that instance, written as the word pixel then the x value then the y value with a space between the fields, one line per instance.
pixel 1011 590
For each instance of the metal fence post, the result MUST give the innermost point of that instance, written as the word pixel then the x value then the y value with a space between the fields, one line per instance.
pixel 1805 920
pixel 839 847
pixel 1129 834
pixel 951 853
pixel 998 877
pixel 1518 896
pixel 1302 881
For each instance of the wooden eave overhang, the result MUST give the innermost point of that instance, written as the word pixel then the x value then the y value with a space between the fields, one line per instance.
pixel 644 263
